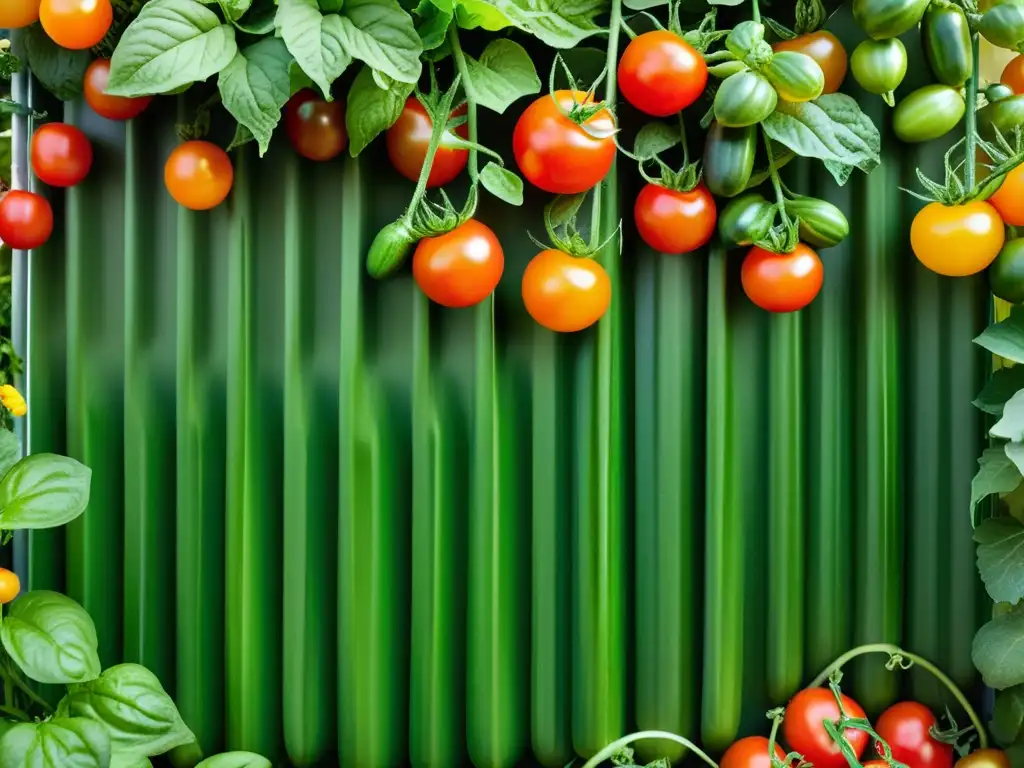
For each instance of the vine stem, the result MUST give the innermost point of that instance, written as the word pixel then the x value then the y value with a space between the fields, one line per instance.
pixel 971 121
pixel 467 84
pixel 780 198
pixel 756 11
pixel 897 654
pixel 440 124
pixel 619 744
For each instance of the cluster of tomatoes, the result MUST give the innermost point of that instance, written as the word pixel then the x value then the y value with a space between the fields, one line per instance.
pixel 73 24
pixel 909 728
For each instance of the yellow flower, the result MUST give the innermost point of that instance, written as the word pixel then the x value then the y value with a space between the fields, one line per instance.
pixel 12 400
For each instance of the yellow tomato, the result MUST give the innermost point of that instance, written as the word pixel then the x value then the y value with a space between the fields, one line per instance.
pixel 10 585
pixel 957 240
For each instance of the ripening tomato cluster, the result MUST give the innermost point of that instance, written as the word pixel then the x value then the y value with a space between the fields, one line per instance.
pixel 73 24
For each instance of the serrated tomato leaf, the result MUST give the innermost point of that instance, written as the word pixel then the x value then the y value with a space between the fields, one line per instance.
pixel 1001 558
pixel 255 86
pixel 998 651
pixel 503 74
pixel 371 110
pixel 1005 338
pixel 314 40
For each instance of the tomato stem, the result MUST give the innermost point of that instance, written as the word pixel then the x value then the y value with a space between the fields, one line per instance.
pixel 971 121
pixel 682 137
pixel 440 122
pixel 619 744
pixel 467 84
pixel 780 198
pixel 756 11
pixel 904 660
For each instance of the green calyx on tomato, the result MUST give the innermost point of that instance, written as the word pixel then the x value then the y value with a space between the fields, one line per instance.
pixel 1003 25
pixel 564 235
pixel 883 19
pixel 928 113
pixel 744 99
pixel 746 43
pixel 946 39
pixel 879 66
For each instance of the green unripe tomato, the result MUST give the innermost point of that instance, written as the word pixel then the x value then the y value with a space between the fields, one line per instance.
pixel 822 224
pixel 389 249
pixel 1006 273
pixel 1004 114
pixel 746 219
pixel 729 158
pixel 1003 25
pixel 879 66
pixel 795 76
pixel 928 113
pixel 744 99
pixel 882 19
pixel 946 39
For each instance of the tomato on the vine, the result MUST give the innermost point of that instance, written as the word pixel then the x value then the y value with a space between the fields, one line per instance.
pixel 26 220
pixel 905 727
pixel 750 752
pixel 984 758
pixel 1013 74
pixel 199 175
pixel 556 154
pixel 661 74
pixel 409 139
pixel 76 24
pixel 824 48
pixel 672 221
pixel 15 14
pixel 783 282
pixel 957 240
pixel 811 707
pixel 105 105
pixel 1009 198
pixel 10 585
pixel 315 127
pixel 565 293
pixel 61 154
pixel 1006 273
pixel 459 268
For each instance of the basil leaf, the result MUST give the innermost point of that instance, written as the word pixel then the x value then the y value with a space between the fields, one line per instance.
pixel 314 40
pixel 128 760
pixel 998 653
pixel 43 491
pixel 254 87
pixel 655 138
pixel 643 5
pixel 52 638
pixel 10 451
pixel 1011 425
pixel 831 128
pixel 130 703
pixel 503 74
pixel 502 183
pixel 1008 716
pixel 236 760
pixel 260 18
pixel 1006 338
pixel 233 9
pixel 1001 386
pixel 381 34
pixel 1001 558
pixel 170 43
pixel 372 110
pixel 58 70
pixel 58 743
pixel 473 14
pixel 558 23
pixel 996 474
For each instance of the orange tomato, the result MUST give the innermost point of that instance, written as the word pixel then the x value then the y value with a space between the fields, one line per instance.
pixel 459 268
pixel 565 293
pixel 782 282
pixel 10 585
pixel 199 175
pixel 750 752
pixel 1009 198
pixel 76 24
pixel 957 240
pixel 104 105
pixel 15 14
pixel 824 48
pixel 1013 74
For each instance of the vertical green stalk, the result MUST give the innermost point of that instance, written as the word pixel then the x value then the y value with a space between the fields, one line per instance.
pixel 971 117
pixel 599 648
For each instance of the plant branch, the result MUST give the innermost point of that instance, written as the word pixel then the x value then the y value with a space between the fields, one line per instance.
pixel 618 745
pixel 756 15
pixel 467 84
pixel 780 198
pixel 971 121
pixel 440 126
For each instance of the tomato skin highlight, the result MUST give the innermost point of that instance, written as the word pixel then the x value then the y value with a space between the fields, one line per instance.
pixel 409 138
pixel 1013 74
pixel 675 222
pixel 905 728
pixel 1008 200
pixel 315 127
pixel 26 220
pixel 564 293
pixel 15 14
pixel 76 24
pixel 957 240
pixel 459 268
pixel 110 107
pixel 661 74
pixel 61 154
pixel 1006 273
pixel 199 175
pixel 750 752
pixel 804 732
pixel 826 50
pixel 557 155
pixel 984 758
pixel 10 585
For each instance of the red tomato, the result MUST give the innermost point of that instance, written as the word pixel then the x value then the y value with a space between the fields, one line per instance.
pixel 15 14
pixel 806 711
pixel 316 128
pixel 661 74
pixel 824 48
pixel 199 175
pixel 409 138
pixel 782 282
pixel 76 24
pixel 750 752
pixel 459 268
pixel 557 155
pixel 565 293
pixel 26 220
pixel 675 222
pixel 104 105
pixel 905 728
pixel 61 155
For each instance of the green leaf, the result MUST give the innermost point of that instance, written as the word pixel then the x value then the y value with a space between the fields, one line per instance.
pixel 297 79
pixel 127 760
pixel 558 23
pixel 831 128
pixel 52 638
pixel 1003 384
pixel 1001 558
pixel 233 9
pixel 59 743
pixel 502 183
pixel 473 14
pixel 655 138
pixel 503 74
pixel 998 651
pixel 1011 425
pixel 381 34
pixel 1015 453
pixel 43 490
pixel 371 110
pixel 643 5
pixel 782 32
pixel 996 474
pixel 1005 338
pixel 726 2
pixel 171 43
pixel 236 760
pixel 1008 716
pixel 260 18
pixel 433 25
pixel 254 87
pixel 331 6
pixel 130 703
pixel 562 208
pixel 314 40
pixel 10 451
pixel 59 70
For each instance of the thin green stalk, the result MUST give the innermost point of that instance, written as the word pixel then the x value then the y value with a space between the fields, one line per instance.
pixel 780 198
pixel 15 712
pixel 467 83
pixel 618 745
pixel 435 141
pixel 682 138
pixel 756 11
pixel 898 656
pixel 971 122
